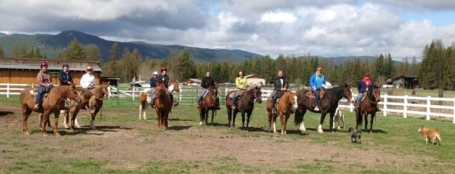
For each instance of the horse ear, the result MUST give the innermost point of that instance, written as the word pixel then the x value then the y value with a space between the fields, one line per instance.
pixel 346 85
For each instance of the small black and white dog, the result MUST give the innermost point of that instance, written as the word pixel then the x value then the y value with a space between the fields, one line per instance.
pixel 356 135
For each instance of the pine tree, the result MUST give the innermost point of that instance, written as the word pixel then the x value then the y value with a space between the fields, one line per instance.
pixel 93 53
pixel 74 51
pixel 186 66
pixel 2 54
pixel 448 76
pixel 114 53
pixel 37 53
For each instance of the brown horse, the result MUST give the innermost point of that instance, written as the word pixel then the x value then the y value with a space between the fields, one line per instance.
pixel 92 100
pixel 327 104
pixel 368 106
pixel 144 98
pixel 285 104
pixel 50 104
pixel 245 104
pixel 208 104
pixel 163 106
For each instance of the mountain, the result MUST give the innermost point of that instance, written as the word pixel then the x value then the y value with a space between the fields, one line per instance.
pixel 52 44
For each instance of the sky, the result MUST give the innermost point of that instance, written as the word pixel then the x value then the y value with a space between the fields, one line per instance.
pixel 326 28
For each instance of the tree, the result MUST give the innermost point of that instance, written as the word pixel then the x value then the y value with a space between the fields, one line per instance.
pixel 74 51
pixel 114 52
pixel 448 76
pixel 186 66
pixel 37 53
pixel 2 54
pixel 93 53
pixel 129 65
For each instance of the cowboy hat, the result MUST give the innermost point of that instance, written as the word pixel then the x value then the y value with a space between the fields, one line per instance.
pixel 155 73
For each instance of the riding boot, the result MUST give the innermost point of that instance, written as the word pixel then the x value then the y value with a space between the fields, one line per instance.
pixel 199 103
pixel 152 103
pixel 217 102
pixel 357 106
pixel 273 106
pixel 234 102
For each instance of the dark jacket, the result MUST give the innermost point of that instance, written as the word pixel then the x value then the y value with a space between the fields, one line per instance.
pixel 277 83
pixel 153 82
pixel 362 86
pixel 163 79
pixel 207 81
pixel 64 78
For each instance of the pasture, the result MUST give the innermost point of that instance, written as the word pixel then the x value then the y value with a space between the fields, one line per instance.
pixel 123 144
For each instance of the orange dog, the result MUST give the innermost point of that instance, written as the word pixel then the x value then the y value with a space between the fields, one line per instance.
pixel 430 133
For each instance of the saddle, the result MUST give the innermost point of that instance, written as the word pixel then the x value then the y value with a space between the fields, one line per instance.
pixel 231 95
pixel 34 92
pixel 309 94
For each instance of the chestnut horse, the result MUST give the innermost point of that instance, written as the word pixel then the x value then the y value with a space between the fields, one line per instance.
pixel 50 104
pixel 163 106
pixel 144 98
pixel 208 104
pixel 245 104
pixel 368 106
pixel 285 104
pixel 327 104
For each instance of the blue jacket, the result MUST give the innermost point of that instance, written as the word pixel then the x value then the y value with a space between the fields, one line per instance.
pixel 153 82
pixel 362 86
pixel 317 82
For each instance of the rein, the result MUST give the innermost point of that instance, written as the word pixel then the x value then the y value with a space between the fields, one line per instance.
pixel 369 99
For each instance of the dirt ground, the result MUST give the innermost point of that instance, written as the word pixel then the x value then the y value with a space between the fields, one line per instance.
pixel 130 147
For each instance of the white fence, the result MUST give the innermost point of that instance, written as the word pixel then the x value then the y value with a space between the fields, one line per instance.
pixel 389 105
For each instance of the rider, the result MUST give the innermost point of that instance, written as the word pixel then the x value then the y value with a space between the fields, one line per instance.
pixel 240 84
pixel 153 80
pixel 206 82
pixel 363 86
pixel 317 82
pixel 280 85
pixel 44 82
pixel 164 78
pixel 88 79
pixel 65 77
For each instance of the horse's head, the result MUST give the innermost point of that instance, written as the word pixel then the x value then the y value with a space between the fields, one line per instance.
pixel 293 99
pixel 174 86
pixel 159 87
pixel 213 90
pixel 347 93
pixel 257 93
pixel 72 93
pixel 377 93
pixel 103 90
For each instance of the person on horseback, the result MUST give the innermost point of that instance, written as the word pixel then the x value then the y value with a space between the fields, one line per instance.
pixel 88 79
pixel 364 85
pixel 65 77
pixel 164 78
pixel 280 84
pixel 206 82
pixel 44 84
pixel 317 83
pixel 153 81
pixel 240 84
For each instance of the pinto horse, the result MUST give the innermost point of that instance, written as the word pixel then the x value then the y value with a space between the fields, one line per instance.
pixel 163 106
pixel 209 103
pixel 285 104
pixel 50 104
pixel 368 106
pixel 245 104
pixel 144 98
pixel 327 104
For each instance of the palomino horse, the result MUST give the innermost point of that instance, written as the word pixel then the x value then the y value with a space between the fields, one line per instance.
pixel 245 104
pixel 327 104
pixel 368 105
pixel 93 99
pixel 163 106
pixel 144 97
pixel 50 104
pixel 285 104
pixel 208 104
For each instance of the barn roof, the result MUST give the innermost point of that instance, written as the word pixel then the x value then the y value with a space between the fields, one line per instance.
pixel 33 64
pixel 407 76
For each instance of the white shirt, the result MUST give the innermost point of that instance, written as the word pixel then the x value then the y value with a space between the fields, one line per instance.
pixel 87 80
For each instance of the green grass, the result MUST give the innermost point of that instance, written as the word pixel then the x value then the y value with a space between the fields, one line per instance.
pixel 394 135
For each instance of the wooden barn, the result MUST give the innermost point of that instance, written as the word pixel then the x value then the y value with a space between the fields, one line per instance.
pixel 24 70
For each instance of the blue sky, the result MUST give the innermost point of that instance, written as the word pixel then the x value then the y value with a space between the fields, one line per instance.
pixel 273 27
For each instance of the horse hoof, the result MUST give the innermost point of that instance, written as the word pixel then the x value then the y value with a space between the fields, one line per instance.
pixel 77 126
pixel 200 123
pixel 67 127
pixel 57 135
pixel 44 134
pixel 320 131
pixel 27 133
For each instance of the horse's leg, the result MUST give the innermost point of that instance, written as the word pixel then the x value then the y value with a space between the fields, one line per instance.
pixel 73 113
pixel 233 118
pixel 365 116
pixel 371 121
pixel 25 114
pixel 243 119
pixel 332 125
pixel 141 110
pixel 201 115
pixel 270 119
pixel 342 121
pixel 92 122
pixel 321 121
pixel 358 119
pixel 206 116
pixel 56 115
pixel 286 122
pixel 282 122
pixel 229 113
pixel 166 120
pixel 213 115
pixel 45 120
pixel 248 117
pixel 66 119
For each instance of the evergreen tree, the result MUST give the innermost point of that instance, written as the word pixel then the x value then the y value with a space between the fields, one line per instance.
pixel 37 53
pixel 2 54
pixel 186 66
pixel 448 76
pixel 75 51
pixel 93 53
pixel 114 53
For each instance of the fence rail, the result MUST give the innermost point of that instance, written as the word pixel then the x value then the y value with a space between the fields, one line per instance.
pixel 389 105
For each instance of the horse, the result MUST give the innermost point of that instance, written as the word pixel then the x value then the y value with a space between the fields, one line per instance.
pixel 144 98
pixel 208 104
pixel 92 101
pixel 328 103
pixel 368 106
pixel 285 104
pixel 163 106
pixel 245 104
pixel 50 104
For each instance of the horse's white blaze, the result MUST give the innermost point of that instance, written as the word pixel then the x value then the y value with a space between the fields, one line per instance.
pixel 352 98
pixel 274 127
pixel 109 94
pixel 295 106
pixel 171 88
pixel 302 127
pixel 76 124
pixel 320 129
pixel 200 123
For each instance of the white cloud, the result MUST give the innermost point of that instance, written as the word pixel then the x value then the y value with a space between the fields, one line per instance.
pixel 278 17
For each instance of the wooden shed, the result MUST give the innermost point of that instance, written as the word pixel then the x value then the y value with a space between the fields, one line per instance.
pixel 24 70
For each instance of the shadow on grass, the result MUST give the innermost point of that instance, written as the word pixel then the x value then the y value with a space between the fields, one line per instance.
pixel 89 131
pixel 5 113
pixel 180 119
pixel 179 128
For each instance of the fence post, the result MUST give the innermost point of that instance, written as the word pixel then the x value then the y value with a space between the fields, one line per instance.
pixel 428 107
pixel 384 106
pixel 7 90
pixel 134 90
pixel 405 106
pixel 453 118
pixel 180 95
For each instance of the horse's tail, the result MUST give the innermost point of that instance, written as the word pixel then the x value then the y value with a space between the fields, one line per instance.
pixel 298 117
pixel 359 118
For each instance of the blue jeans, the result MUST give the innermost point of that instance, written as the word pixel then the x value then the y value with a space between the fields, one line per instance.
pixel 152 93
pixel 236 96
pixel 203 90
pixel 39 97
pixel 359 97
pixel 316 97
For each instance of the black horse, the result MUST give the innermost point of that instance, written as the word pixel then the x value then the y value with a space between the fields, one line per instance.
pixel 327 104
pixel 245 104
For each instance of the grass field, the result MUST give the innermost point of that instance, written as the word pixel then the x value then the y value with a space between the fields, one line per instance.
pixel 124 144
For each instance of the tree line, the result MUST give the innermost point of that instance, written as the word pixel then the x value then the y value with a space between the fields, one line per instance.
pixel 435 71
